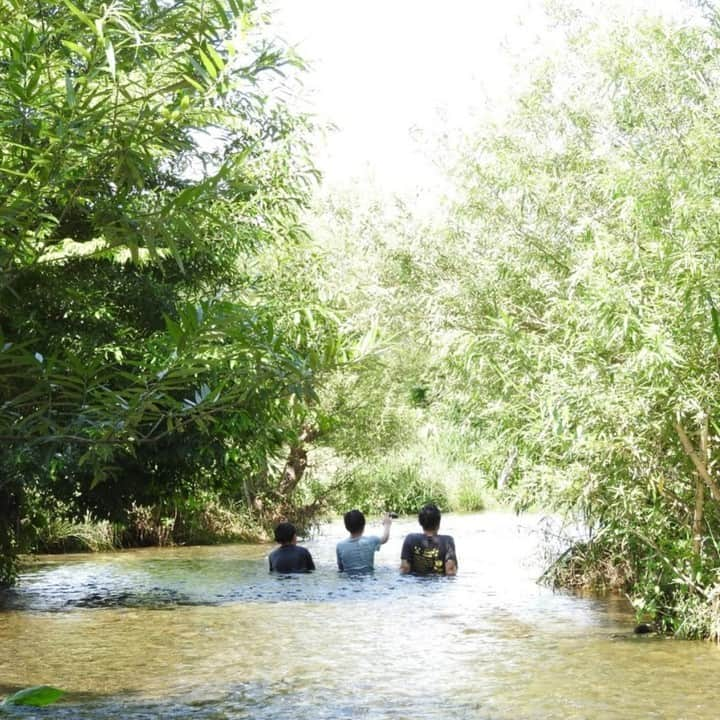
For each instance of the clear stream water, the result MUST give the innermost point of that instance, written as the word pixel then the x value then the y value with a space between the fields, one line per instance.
pixel 207 633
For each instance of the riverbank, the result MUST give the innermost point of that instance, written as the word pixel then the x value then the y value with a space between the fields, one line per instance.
pixel 207 523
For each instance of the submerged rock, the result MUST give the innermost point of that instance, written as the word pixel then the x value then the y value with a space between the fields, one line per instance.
pixel 644 629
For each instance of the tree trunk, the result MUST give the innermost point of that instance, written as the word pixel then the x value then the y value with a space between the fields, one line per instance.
pixel 296 463
pixel 700 488
pixel 9 531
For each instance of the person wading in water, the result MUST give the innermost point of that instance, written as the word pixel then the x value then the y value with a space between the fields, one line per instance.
pixel 357 553
pixel 289 557
pixel 428 553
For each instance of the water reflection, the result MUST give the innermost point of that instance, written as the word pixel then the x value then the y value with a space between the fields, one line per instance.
pixel 208 633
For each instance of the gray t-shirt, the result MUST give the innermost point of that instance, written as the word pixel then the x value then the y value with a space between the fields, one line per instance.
pixel 357 554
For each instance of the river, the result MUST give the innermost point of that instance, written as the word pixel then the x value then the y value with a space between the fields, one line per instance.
pixel 207 633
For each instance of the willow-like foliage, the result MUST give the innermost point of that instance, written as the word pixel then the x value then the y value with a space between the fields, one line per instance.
pixel 586 264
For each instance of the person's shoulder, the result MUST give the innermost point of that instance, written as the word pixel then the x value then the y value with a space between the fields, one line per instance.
pixel 412 540
pixel 304 550
pixel 273 557
pixel 371 539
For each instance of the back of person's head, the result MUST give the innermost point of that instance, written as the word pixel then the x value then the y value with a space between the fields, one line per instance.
pixel 354 521
pixel 429 517
pixel 284 533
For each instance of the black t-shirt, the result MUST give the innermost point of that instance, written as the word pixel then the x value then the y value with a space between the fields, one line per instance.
pixel 291 559
pixel 427 554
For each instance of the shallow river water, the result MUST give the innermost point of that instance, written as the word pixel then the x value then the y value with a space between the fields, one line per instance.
pixel 207 633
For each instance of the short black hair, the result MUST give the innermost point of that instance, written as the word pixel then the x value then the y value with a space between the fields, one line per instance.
pixel 284 533
pixel 429 517
pixel 354 521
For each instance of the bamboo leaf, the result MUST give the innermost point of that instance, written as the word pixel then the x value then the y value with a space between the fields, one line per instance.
pixel 16 173
pixel 110 56
pixel 70 91
pixel 208 64
pixel 188 195
pixel 79 49
pixel 715 317
pixel 215 56
pixel 83 17
pixel 194 83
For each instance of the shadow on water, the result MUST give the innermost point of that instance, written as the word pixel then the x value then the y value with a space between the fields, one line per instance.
pixel 60 589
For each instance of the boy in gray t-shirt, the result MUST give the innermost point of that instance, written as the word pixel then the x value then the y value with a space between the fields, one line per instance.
pixel 357 553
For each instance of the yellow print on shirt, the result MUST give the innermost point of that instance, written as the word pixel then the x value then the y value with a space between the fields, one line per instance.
pixel 427 560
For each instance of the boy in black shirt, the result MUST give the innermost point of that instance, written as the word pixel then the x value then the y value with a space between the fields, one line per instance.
pixel 289 557
pixel 428 553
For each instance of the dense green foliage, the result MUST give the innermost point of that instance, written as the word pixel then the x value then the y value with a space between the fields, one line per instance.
pixel 159 334
pixel 172 344
pixel 581 316
pixel 392 448
pixel 557 331
pixel 596 335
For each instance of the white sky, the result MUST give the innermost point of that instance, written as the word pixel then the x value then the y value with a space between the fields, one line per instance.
pixel 382 68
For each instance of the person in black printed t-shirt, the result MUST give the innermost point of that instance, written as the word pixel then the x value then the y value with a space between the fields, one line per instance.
pixel 428 553
pixel 289 557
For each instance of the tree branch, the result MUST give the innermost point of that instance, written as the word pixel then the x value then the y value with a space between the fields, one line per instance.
pixel 700 466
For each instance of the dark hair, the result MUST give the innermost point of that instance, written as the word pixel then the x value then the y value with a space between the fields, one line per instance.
pixel 284 533
pixel 429 517
pixel 354 521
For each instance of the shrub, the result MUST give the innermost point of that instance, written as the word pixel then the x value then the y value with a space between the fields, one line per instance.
pixel 393 483
pixel 61 534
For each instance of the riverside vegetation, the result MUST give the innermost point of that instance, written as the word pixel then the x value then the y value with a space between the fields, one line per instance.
pixel 194 344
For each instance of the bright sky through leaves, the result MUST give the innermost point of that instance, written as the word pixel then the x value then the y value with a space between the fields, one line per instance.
pixel 386 72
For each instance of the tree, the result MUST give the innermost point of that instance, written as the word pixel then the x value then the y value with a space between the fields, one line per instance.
pixel 148 162
pixel 584 248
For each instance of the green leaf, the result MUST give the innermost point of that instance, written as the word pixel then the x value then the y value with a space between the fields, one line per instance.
pixel 70 91
pixel 32 83
pixel 193 83
pixel 188 195
pixel 213 53
pixel 79 49
pixel 173 329
pixel 110 55
pixel 37 696
pixel 14 172
pixel 208 64
pixel 715 317
pixel 222 14
pixel 86 19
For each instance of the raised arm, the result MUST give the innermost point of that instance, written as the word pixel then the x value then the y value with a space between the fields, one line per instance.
pixel 387 522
